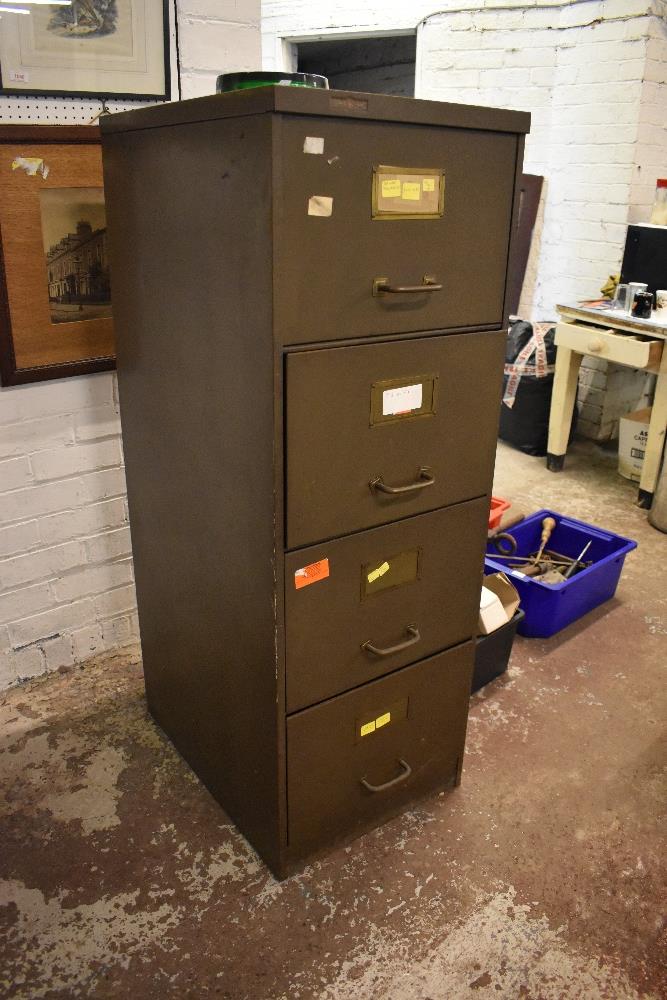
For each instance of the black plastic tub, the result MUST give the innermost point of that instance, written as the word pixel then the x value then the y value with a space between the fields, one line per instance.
pixel 492 653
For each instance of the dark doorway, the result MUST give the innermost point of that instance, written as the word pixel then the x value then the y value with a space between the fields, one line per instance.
pixel 384 65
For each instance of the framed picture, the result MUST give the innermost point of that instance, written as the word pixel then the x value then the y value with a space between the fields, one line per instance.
pixel 55 301
pixel 88 48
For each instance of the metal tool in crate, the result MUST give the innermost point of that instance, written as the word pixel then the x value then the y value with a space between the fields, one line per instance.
pixel 597 559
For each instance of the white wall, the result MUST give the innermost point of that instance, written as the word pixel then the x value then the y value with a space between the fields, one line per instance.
pixel 650 153
pixel 66 581
pixel 217 36
pixel 588 71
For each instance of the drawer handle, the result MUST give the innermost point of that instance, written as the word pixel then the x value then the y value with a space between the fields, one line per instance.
pixel 406 771
pixel 411 630
pixel 381 286
pixel 424 478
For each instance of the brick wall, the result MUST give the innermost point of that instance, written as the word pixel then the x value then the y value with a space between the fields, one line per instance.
pixel 650 160
pixel 66 581
pixel 217 36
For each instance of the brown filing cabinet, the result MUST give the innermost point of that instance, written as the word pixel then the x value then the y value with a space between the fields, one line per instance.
pixel 309 301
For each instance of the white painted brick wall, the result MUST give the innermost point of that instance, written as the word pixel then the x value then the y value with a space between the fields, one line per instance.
pixel 650 153
pixel 66 581
pixel 217 36
pixel 65 557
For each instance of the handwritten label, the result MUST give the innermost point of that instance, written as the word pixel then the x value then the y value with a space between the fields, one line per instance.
pixel 391 188
pixel 404 399
pixel 428 184
pixel 411 191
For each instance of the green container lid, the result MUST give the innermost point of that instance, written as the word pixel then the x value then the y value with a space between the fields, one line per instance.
pixel 245 81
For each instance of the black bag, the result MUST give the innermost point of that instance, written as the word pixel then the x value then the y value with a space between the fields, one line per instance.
pixel 530 358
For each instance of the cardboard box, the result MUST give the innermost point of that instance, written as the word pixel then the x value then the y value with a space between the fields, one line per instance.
pixel 498 602
pixel 632 436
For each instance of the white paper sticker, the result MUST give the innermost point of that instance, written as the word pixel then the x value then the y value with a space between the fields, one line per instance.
pixel 313 144
pixel 32 166
pixel 404 399
pixel 19 76
pixel 320 204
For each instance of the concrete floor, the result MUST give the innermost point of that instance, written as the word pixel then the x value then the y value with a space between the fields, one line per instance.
pixel 542 877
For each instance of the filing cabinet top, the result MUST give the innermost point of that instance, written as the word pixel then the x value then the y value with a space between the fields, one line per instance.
pixel 328 103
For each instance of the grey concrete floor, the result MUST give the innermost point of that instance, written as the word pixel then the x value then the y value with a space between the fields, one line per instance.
pixel 541 877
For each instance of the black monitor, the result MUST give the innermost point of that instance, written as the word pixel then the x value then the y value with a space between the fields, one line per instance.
pixel 645 256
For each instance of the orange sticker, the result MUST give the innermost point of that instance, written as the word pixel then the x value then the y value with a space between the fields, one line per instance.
pixel 311 574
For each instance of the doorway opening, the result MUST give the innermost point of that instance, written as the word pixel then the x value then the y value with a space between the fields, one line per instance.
pixel 381 65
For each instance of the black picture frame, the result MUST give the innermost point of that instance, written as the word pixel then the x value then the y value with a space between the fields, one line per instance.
pixel 105 95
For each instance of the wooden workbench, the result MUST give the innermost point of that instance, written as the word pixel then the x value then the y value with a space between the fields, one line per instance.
pixel 624 340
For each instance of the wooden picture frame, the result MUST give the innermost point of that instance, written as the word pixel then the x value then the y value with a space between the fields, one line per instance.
pixel 88 49
pixel 55 306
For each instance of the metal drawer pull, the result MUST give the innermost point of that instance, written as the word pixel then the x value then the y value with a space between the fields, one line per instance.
pixel 381 286
pixel 424 478
pixel 406 771
pixel 411 630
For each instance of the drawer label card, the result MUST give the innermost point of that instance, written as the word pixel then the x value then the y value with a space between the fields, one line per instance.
pixel 406 398
pixel 408 192
pixel 312 573
pixel 403 399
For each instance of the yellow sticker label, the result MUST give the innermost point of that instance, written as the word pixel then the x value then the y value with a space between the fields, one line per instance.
pixel 368 728
pixel 391 188
pixel 383 720
pixel 377 573
pixel 412 191
pixel 428 184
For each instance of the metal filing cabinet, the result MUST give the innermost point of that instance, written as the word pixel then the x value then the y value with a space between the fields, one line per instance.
pixel 309 300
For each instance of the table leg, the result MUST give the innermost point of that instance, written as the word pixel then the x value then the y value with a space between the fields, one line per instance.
pixel 564 394
pixel 656 438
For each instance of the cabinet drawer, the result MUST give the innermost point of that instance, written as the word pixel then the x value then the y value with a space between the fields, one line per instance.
pixel 405 732
pixel 407 590
pixel 326 265
pixel 417 416
pixel 622 348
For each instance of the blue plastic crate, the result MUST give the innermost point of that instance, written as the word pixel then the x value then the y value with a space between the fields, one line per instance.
pixel 551 607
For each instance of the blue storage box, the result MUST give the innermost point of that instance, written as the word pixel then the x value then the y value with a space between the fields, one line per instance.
pixel 550 607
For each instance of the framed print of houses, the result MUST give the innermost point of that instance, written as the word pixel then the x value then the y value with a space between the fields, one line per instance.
pixel 55 288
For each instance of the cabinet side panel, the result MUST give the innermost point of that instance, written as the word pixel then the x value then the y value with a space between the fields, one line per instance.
pixel 189 214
